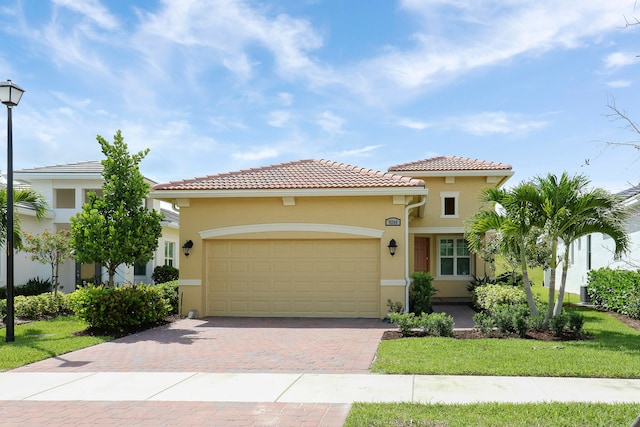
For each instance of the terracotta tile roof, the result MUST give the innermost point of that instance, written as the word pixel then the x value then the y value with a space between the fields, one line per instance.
pixel 302 174
pixel 449 163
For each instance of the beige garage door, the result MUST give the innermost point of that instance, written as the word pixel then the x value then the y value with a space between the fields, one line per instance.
pixel 307 278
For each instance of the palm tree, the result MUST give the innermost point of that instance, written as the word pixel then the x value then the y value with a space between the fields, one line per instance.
pixel 513 221
pixel 26 197
pixel 596 211
pixel 568 210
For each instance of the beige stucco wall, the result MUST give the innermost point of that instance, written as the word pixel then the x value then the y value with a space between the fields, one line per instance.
pixel 368 212
pixel 433 226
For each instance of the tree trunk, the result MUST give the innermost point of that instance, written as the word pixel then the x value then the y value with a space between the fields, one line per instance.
pixel 552 283
pixel 527 285
pixel 557 309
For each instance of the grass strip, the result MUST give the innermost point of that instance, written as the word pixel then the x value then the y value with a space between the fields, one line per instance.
pixel 42 339
pixel 492 414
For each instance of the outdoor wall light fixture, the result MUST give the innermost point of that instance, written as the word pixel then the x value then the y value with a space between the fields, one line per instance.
pixel 10 94
pixel 392 247
pixel 186 248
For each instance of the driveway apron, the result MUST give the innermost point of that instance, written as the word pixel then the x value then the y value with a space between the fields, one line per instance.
pixel 211 345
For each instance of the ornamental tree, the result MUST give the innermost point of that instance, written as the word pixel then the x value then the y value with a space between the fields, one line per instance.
pixel 116 228
pixel 49 248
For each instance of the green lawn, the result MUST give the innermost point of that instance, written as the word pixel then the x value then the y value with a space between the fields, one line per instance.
pixel 613 341
pixel 491 414
pixel 43 339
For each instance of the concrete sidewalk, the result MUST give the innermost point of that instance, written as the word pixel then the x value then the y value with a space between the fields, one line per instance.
pixel 307 388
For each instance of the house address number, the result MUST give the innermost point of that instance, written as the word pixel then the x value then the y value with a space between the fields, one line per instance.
pixel 392 222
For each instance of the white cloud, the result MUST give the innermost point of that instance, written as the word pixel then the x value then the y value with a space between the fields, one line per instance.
pixel 93 10
pixel 616 84
pixel 489 123
pixel 413 124
pixel 330 123
pixel 254 153
pixel 285 99
pixel 228 30
pixel 359 151
pixel 279 118
pixel 495 32
pixel 621 59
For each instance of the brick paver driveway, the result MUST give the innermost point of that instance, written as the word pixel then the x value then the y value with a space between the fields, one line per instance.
pixel 211 345
pixel 223 344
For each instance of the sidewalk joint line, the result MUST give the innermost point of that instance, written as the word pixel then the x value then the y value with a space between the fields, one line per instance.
pixel 89 374
pixel 173 385
pixel 288 388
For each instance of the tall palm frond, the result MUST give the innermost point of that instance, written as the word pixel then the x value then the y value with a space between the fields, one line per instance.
pixel 26 197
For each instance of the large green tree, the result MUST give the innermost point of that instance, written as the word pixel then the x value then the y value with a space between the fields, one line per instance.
pixel 116 228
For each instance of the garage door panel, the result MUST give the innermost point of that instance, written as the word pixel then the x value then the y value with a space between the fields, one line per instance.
pixel 315 278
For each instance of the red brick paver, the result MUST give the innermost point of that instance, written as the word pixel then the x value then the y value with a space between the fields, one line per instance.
pixel 24 413
pixel 217 344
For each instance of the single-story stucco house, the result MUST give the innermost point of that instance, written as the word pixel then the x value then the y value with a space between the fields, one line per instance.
pixel 315 238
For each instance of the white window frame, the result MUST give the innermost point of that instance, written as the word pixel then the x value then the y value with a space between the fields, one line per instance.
pixel 454 276
pixel 171 259
pixel 455 195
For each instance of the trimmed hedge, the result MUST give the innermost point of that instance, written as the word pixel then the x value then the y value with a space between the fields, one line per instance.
pixel 35 307
pixel 615 290
pixel 170 293
pixel 164 274
pixel 119 308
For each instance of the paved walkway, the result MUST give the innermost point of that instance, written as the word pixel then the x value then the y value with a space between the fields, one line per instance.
pixel 253 372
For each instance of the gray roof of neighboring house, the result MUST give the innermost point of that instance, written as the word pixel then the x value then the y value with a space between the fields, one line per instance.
pixel 171 216
pixel 89 167
pixel 629 192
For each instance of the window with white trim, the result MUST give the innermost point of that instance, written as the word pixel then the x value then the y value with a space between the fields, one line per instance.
pixel 455 257
pixel 169 250
pixel 449 204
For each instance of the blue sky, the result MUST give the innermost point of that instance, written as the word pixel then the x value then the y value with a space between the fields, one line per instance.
pixel 215 86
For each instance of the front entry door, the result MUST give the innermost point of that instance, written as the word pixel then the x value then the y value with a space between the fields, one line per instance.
pixel 421 254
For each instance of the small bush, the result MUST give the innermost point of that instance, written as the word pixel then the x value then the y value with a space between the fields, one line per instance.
pixel 490 297
pixel 395 307
pixel 559 323
pixel 436 324
pixel 35 307
pixel 421 292
pixel 536 322
pixel 3 308
pixel 575 321
pixel 484 322
pixel 406 322
pixel 164 274
pixel 170 293
pixel 615 290
pixel 119 308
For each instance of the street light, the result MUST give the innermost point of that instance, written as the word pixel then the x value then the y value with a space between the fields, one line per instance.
pixel 10 94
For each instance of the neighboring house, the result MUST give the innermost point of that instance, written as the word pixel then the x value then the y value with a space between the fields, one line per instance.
pixel 65 188
pixel 316 238
pixel 597 250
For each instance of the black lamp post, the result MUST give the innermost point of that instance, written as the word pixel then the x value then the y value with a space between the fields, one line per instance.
pixel 10 94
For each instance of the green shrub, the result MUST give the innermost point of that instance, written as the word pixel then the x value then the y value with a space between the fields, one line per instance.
pixel 490 297
pixel 559 323
pixel 406 322
pixel 537 322
pixel 436 324
pixel 433 324
pixel 38 306
pixel 164 274
pixel 34 286
pixel 484 322
pixel 575 321
pixel 614 290
pixel 119 308
pixel 3 308
pixel 633 307
pixel 170 293
pixel 395 307
pixel 421 292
